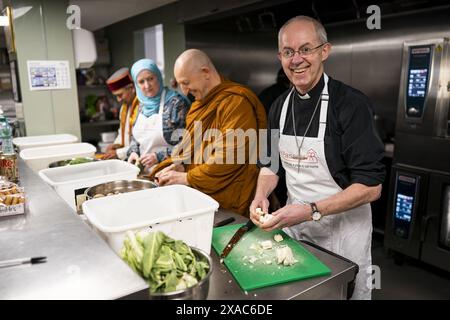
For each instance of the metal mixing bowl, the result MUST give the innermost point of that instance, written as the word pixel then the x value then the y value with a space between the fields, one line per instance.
pixel 197 292
pixel 120 186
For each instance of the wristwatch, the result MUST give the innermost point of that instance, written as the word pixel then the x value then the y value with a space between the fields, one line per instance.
pixel 316 215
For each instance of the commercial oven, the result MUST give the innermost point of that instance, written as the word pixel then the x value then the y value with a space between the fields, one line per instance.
pixel 418 221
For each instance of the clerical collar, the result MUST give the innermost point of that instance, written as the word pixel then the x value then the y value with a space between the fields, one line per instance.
pixel 314 92
pixel 306 96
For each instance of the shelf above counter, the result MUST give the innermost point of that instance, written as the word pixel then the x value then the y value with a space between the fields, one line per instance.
pixel 100 123
pixel 97 86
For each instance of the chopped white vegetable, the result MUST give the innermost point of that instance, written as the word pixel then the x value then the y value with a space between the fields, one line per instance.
pixel 260 212
pixel 265 218
pixel 289 261
pixel 266 245
pixel 252 259
pixel 281 255
pixel 285 256
pixel 278 237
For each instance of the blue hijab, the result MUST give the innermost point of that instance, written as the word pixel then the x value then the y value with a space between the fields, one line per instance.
pixel 150 105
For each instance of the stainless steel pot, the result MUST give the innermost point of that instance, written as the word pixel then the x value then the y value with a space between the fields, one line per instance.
pixel 119 186
pixel 197 292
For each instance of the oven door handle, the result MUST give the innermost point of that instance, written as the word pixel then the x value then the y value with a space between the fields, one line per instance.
pixel 423 231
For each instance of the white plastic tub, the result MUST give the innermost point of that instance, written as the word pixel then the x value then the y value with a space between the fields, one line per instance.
pixel 39 158
pixel 181 212
pixel 70 182
pixel 108 137
pixel 43 141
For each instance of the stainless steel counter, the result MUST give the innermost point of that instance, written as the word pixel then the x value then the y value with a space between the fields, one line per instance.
pixel 333 286
pixel 80 265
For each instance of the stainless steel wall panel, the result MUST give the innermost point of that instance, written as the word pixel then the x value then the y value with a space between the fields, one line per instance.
pixel 369 60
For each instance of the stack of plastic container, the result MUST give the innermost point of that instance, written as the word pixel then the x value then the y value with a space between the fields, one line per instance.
pixel 44 141
pixel 8 158
pixel 39 158
pixel 70 182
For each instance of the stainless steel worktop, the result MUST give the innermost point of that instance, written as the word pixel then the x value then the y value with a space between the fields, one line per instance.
pixel 80 265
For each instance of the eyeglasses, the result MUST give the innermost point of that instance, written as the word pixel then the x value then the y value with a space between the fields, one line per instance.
pixel 288 53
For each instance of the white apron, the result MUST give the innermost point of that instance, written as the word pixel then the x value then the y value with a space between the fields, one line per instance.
pixel 122 152
pixel 148 132
pixel 349 233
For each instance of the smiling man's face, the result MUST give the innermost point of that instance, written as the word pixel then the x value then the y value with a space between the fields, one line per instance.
pixel 304 71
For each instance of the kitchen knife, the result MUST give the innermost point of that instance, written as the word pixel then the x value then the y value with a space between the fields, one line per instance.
pixel 223 222
pixel 235 238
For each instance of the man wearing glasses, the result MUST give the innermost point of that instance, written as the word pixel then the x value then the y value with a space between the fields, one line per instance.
pixel 330 153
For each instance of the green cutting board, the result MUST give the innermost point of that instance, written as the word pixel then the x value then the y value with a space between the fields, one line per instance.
pixel 260 273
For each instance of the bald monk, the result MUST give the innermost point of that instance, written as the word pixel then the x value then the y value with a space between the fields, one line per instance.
pixel 219 104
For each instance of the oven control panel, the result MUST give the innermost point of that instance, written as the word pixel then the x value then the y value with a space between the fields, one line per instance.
pixel 418 78
pixel 405 202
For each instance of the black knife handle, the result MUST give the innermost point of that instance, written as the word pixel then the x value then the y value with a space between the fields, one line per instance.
pixel 235 238
pixel 224 222
pixel 249 224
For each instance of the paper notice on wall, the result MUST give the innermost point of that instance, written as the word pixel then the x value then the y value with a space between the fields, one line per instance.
pixel 48 75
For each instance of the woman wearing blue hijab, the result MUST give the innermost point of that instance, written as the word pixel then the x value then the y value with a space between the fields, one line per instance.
pixel 161 113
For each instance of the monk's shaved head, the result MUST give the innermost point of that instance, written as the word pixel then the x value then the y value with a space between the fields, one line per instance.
pixel 193 60
pixel 196 73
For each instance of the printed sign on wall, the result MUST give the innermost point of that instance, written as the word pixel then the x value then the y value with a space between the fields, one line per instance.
pixel 48 75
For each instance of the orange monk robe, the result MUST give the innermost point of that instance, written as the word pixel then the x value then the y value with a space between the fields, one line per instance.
pixel 227 106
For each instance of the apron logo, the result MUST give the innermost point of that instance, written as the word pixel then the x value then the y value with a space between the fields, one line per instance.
pixel 310 157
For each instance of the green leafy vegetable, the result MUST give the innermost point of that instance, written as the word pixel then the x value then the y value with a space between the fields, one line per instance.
pixel 79 161
pixel 152 244
pixel 139 165
pixel 166 264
